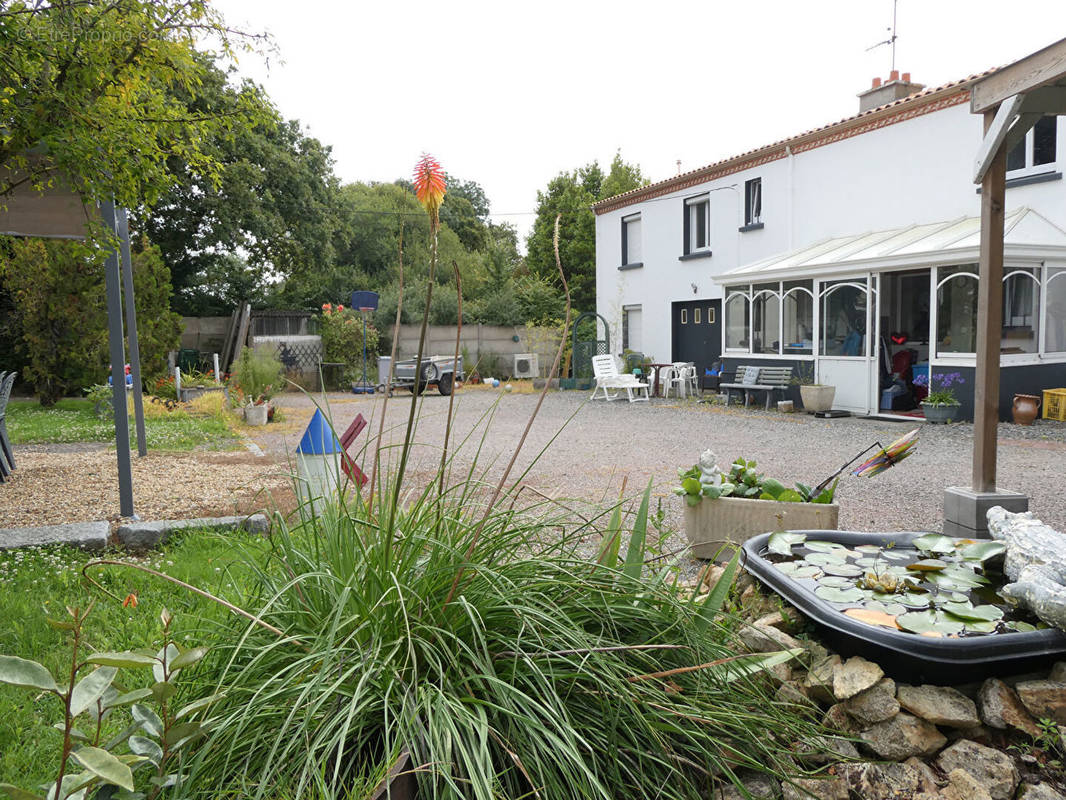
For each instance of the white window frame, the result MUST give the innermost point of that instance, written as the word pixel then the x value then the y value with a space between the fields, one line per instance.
pixel 751 218
pixel 688 230
pixel 626 247
pixel 1038 169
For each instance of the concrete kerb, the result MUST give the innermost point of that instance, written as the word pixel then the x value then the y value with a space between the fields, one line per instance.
pixel 145 535
pixel 86 535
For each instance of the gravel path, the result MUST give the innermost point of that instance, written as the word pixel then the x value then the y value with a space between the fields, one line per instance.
pixel 599 444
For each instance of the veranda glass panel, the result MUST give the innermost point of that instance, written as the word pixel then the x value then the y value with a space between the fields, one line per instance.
pixel 843 319
pixel 766 319
pixel 1021 313
pixel 798 310
pixel 736 322
pixel 956 309
pixel 1055 330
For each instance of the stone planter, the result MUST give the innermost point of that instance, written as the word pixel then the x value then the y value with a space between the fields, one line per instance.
pixel 192 392
pixel 940 413
pixel 733 520
pixel 256 415
pixel 817 397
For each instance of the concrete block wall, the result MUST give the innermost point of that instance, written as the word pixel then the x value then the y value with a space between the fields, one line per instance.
pixel 484 343
pixel 206 334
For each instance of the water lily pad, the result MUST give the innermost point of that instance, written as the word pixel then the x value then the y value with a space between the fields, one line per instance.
pixel 868 561
pixel 869 548
pixel 895 609
pixel 782 541
pixel 898 555
pixel 968 611
pixel 929 621
pixel 818 546
pixel 913 600
pixel 823 559
pixel 836 582
pixel 1021 626
pixel 833 595
pixel 928 565
pixel 873 617
pixel 981 625
pixel 934 543
pixel 982 551
pixel 844 570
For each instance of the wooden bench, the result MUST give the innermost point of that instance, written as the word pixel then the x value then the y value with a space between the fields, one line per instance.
pixel 758 379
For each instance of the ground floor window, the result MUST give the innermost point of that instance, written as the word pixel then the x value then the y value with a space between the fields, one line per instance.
pixel 1021 312
pixel 737 321
pixel 778 318
pixel 766 318
pixel 1055 329
pixel 797 311
pixel 843 310
pixel 956 310
pixel 632 335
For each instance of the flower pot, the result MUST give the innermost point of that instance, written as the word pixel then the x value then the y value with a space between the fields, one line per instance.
pixel 817 397
pixel 1025 409
pixel 256 415
pixel 192 392
pixel 940 413
pixel 710 524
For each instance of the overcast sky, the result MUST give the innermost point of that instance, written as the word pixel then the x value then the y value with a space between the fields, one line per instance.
pixel 509 94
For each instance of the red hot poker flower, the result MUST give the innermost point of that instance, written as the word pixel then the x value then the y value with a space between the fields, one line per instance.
pixel 130 601
pixel 429 184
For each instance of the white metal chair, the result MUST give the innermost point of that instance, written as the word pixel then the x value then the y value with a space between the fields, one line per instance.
pixel 608 377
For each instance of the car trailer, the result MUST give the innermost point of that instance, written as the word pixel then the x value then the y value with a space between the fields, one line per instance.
pixel 439 371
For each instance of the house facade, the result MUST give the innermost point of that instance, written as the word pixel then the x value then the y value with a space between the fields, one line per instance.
pixel 838 249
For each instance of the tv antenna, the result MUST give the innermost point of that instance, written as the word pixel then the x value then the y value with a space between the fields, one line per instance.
pixel 891 40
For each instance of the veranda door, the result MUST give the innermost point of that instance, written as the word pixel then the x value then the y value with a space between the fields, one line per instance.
pixel 847 341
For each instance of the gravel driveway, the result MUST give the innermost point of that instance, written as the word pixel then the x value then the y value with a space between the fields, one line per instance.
pixel 599 443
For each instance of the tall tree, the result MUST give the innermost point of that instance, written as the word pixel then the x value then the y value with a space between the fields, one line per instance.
pixel 572 195
pixel 93 85
pixel 271 213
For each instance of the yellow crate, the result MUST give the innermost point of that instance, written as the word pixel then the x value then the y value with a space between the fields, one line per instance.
pixel 1055 404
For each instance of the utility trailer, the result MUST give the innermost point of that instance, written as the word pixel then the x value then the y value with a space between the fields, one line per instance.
pixel 439 371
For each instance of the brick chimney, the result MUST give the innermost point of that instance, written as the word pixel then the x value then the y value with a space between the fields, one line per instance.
pixel 884 92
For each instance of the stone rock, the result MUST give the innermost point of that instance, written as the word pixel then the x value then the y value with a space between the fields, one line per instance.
pixel 993 770
pixel 86 535
pixel 830 788
pixel 853 676
pixel 1044 699
pixel 758 785
pixel 822 750
pixel 144 535
pixel 710 575
pixel 1038 791
pixel 927 781
pixel 837 719
pixel 875 704
pixel 792 692
pixel 977 732
pixel 1058 672
pixel 903 736
pixel 874 781
pixel 764 639
pixel 1002 708
pixel 963 786
pixel 940 705
pixel 774 620
pixel 819 682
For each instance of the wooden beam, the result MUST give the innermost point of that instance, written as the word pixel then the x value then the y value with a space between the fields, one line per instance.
pixel 1046 100
pixel 1042 68
pixel 989 320
pixel 1017 131
pixel 995 134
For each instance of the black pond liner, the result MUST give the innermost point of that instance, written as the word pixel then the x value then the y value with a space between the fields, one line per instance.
pixel 906 656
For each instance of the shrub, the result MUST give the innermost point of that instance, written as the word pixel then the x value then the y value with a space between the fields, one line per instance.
pixel 258 376
pixel 341 330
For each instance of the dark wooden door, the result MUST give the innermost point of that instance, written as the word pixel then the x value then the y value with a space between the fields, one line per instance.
pixel 697 332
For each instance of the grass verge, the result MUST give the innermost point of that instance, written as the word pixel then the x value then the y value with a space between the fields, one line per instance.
pixel 73 420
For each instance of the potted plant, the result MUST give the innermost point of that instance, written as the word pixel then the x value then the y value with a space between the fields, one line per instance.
pixel 815 396
pixel 723 508
pixel 940 405
pixel 259 376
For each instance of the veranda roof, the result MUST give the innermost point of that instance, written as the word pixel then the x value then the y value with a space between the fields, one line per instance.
pixel 1028 236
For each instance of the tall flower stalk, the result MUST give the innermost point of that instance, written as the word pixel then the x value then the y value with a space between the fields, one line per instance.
pixel 430 188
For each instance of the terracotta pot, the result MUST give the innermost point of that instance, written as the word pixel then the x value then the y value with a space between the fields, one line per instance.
pixel 1026 407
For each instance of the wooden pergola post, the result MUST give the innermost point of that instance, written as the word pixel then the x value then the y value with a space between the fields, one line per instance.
pixel 989 319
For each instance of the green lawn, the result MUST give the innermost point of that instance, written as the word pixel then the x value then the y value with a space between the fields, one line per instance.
pixel 36 585
pixel 73 420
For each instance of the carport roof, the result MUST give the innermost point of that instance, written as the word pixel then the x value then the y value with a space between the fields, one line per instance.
pixel 1027 236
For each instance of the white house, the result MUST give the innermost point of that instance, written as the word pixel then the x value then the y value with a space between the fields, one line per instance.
pixel 837 249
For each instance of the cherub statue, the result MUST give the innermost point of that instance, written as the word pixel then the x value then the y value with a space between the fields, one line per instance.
pixel 710 475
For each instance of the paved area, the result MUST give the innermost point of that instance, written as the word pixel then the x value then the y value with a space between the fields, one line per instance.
pixel 591 447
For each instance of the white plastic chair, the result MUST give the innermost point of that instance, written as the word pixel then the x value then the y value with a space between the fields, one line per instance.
pixel 608 377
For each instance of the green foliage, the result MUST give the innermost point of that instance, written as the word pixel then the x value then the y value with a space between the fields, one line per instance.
pixel 159 730
pixel 572 195
pixel 257 376
pixel 540 659
pixel 342 338
pixel 744 482
pixel 98 84
pixel 58 289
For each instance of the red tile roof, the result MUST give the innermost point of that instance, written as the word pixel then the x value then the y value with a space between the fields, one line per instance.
pixel 923 102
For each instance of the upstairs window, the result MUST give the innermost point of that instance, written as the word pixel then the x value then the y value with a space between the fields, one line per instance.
pixel 753 202
pixel 631 249
pixel 696 223
pixel 1038 150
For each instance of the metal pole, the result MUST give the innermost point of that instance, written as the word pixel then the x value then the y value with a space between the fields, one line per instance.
pixel 131 330
pixel 989 321
pixel 113 282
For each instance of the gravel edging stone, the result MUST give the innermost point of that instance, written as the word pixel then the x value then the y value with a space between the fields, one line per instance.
pixel 144 535
pixel 86 535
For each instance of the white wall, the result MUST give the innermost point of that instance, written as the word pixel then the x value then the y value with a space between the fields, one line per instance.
pixel 915 171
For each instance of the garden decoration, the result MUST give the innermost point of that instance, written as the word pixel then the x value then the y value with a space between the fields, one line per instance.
pixel 365 302
pixel 884 458
pixel 321 457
